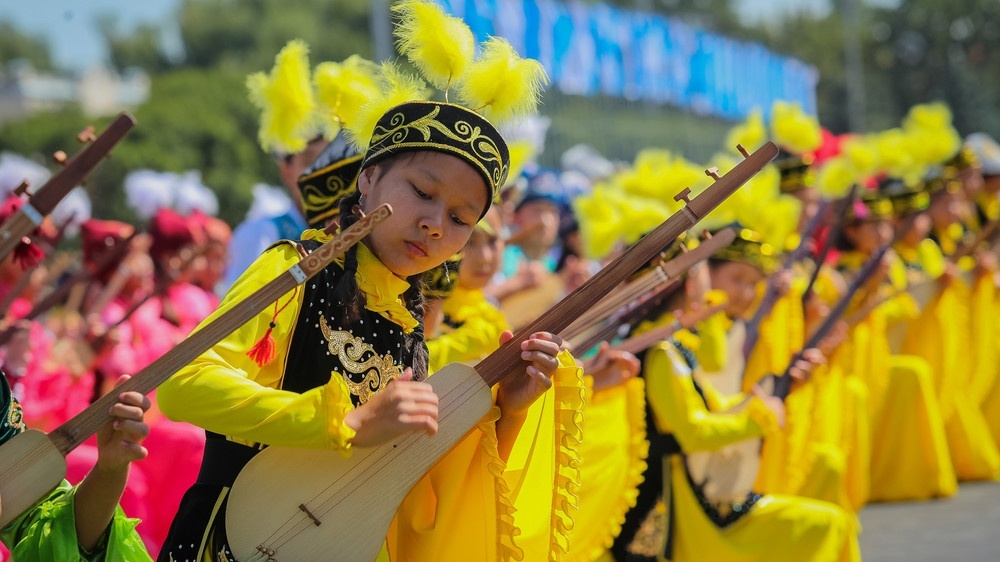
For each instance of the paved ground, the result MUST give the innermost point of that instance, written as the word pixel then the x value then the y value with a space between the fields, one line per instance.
pixel 965 528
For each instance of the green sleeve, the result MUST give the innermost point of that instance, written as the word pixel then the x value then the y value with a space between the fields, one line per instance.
pixel 47 532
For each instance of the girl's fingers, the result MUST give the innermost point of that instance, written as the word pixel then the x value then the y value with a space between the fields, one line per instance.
pixel 416 408
pixel 545 363
pixel 419 422
pixel 538 377
pixel 135 399
pixel 132 431
pixel 124 412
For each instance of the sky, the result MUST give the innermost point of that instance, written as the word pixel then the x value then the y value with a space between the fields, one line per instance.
pixel 70 26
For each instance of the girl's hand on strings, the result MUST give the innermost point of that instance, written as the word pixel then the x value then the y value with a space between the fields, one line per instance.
pixel 404 406
pixel 119 442
pixel 612 367
pixel 519 390
pixel 773 403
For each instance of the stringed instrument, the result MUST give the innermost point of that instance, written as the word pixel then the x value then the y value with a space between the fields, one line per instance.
pixel 75 170
pixel 33 463
pixel 631 307
pixel 292 504
pixel 728 474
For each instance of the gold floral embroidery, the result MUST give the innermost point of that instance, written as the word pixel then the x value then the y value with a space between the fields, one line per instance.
pixel 15 418
pixel 377 371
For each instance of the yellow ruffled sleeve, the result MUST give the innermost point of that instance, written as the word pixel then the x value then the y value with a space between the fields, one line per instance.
pixel 717 401
pixel 226 392
pixel 713 347
pixel 678 408
pixel 543 470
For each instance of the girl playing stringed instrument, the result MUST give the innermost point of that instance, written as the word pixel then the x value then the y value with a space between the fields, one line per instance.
pixel 341 363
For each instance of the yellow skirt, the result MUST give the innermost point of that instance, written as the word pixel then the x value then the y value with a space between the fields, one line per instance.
pixel 613 459
pixel 778 527
pixel 910 458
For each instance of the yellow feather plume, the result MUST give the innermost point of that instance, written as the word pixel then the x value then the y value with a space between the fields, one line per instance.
pixel 343 88
pixel 521 154
pixel 836 177
pixel 751 133
pixel 861 154
pixel 600 220
pixel 640 216
pixel 396 87
pixel 441 46
pixel 659 175
pixel 793 129
pixel 933 137
pixel 500 84
pixel 285 97
pixel 778 220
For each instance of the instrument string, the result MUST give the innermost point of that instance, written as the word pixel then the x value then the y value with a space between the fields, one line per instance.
pixel 299 522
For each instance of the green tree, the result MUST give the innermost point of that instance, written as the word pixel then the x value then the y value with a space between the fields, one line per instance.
pixel 16 45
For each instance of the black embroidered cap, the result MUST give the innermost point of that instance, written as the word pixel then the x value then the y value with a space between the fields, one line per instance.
pixel 330 178
pixel 447 128
pixel 748 247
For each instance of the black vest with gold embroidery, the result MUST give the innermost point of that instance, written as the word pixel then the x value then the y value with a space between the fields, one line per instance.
pixel 12 421
pixel 366 353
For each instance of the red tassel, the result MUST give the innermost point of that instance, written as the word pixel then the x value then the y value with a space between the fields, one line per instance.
pixel 27 254
pixel 263 351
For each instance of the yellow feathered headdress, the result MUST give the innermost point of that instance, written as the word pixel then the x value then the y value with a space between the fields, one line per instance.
pixel 289 118
pixel 497 83
pixel 793 129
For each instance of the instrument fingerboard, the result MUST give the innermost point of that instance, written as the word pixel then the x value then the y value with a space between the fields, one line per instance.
pixel 501 362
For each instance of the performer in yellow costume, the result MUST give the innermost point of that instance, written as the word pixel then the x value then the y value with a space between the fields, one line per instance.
pixel 690 416
pixel 314 371
pixel 909 452
pixel 941 336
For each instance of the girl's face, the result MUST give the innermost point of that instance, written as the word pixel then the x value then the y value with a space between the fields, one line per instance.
pixel 915 227
pixel 945 209
pixel 481 257
pixel 436 201
pixel 869 236
pixel 739 281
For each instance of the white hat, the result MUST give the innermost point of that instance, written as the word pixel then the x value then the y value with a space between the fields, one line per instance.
pixel 72 211
pixel 191 195
pixel 268 202
pixel 987 151
pixel 14 169
pixel 146 192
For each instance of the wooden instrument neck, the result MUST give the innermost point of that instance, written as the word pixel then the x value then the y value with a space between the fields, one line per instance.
pixel 504 361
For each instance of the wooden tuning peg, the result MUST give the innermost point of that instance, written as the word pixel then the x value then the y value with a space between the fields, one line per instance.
pixel 684 195
pixel 59 157
pixel 88 134
pixel 713 173
pixel 23 188
pixel 743 151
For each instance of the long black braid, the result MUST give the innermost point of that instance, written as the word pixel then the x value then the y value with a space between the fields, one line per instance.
pixel 350 296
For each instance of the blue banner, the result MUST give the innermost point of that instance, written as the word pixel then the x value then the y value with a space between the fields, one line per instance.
pixel 590 49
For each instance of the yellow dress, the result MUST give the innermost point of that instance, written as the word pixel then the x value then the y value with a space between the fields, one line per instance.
pixel 543 471
pixel 776 527
pixel 612 463
pixel 475 325
pixel 963 363
pixel 909 452
pixel 227 392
